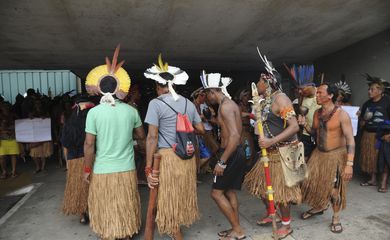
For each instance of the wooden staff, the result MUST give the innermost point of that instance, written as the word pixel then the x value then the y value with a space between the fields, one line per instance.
pixel 151 213
pixel 264 158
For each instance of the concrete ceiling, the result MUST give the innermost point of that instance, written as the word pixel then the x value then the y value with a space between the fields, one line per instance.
pixel 192 34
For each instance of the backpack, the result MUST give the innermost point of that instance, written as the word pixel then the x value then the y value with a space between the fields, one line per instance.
pixel 185 135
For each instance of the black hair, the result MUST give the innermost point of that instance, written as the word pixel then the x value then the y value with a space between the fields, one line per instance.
pixel 73 132
pixel 108 84
pixel 332 89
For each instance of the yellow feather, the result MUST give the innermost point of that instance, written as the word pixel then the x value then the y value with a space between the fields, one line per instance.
pixel 160 63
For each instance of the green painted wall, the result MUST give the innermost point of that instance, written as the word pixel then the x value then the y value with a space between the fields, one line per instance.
pixel 59 81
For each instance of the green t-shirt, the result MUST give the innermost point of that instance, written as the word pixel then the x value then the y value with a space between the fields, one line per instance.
pixel 113 127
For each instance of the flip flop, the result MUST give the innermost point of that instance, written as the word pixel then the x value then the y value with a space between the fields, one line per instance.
pixel 308 214
pixel 224 233
pixel 368 184
pixel 233 237
pixel 283 233
pixel 267 220
pixel 382 190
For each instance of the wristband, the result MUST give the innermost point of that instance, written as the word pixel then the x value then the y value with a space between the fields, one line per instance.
pixel 148 170
pixel 350 163
pixel 87 169
pixel 222 164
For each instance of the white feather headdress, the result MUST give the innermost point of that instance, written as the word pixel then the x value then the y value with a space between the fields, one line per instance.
pixel 165 74
pixel 270 69
pixel 214 80
pixel 343 85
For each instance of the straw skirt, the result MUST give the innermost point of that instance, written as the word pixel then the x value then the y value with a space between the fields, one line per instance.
pixel 325 170
pixel 76 189
pixel 114 204
pixel 177 201
pixel 368 153
pixel 255 182
pixel 43 150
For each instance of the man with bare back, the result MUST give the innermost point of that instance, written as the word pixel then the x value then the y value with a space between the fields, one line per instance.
pixel 331 163
pixel 230 168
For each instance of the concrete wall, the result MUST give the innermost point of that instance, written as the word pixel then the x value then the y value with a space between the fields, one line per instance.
pixel 371 55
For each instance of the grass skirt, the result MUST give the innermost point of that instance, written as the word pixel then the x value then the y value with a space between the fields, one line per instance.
pixel 256 185
pixel 322 167
pixel 76 189
pixel 177 201
pixel 114 204
pixel 368 153
pixel 43 150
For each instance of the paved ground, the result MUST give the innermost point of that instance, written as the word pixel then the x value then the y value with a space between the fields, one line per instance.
pixel 366 217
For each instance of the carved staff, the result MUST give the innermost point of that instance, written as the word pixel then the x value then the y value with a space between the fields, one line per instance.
pixel 264 158
pixel 151 213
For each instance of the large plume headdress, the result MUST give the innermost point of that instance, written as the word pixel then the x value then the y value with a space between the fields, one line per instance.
pixel 272 75
pixel 111 71
pixel 165 74
pixel 380 81
pixel 303 75
pixel 214 80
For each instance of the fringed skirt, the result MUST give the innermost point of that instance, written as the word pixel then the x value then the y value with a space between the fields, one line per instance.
pixel 114 204
pixel 255 182
pixel 177 201
pixel 43 150
pixel 368 153
pixel 76 189
pixel 325 170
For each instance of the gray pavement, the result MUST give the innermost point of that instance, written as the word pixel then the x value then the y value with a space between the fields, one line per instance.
pixel 367 215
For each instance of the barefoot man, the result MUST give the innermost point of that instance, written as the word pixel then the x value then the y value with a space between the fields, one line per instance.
pixel 229 169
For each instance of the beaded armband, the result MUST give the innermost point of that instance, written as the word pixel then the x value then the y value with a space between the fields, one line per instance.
pixel 286 114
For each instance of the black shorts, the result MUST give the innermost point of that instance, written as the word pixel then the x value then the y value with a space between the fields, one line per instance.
pixel 234 173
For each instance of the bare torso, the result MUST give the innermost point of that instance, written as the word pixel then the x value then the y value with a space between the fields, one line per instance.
pixel 329 134
pixel 228 105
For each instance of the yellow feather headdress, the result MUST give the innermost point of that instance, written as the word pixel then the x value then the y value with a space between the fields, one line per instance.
pixel 112 69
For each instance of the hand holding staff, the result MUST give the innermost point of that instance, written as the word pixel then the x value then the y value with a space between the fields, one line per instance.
pixel 153 185
pixel 264 158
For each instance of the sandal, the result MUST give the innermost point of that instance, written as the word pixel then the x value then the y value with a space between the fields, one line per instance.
pixel 224 233
pixel 382 190
pixel 14 175
pixel 334 226
pixel 268 220
pixel 3 176
pixel 283 233
pixel 308 214
pixel 368 184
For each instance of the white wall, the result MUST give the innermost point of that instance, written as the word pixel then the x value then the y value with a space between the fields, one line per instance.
pixel 371 56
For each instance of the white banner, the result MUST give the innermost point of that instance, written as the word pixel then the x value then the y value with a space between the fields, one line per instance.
pixel 33 130
pixel 352 112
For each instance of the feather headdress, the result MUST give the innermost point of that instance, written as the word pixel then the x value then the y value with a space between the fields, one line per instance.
pixel 214 80
pixel 371 80
pixel 165 74
pixel 272 73
pixel 343 86
pixel 303 75
pixel 110 69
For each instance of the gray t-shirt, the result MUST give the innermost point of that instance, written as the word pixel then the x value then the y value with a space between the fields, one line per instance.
pixel 162 116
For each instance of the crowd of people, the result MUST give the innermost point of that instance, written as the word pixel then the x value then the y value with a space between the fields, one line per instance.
pixel 304 148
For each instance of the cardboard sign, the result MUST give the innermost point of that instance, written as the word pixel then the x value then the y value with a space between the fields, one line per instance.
pixel 33 130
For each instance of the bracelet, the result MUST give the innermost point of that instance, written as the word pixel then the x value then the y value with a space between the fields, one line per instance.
pixel 222 164
pixel 148 171
pixel 87 169
pixel 350 163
